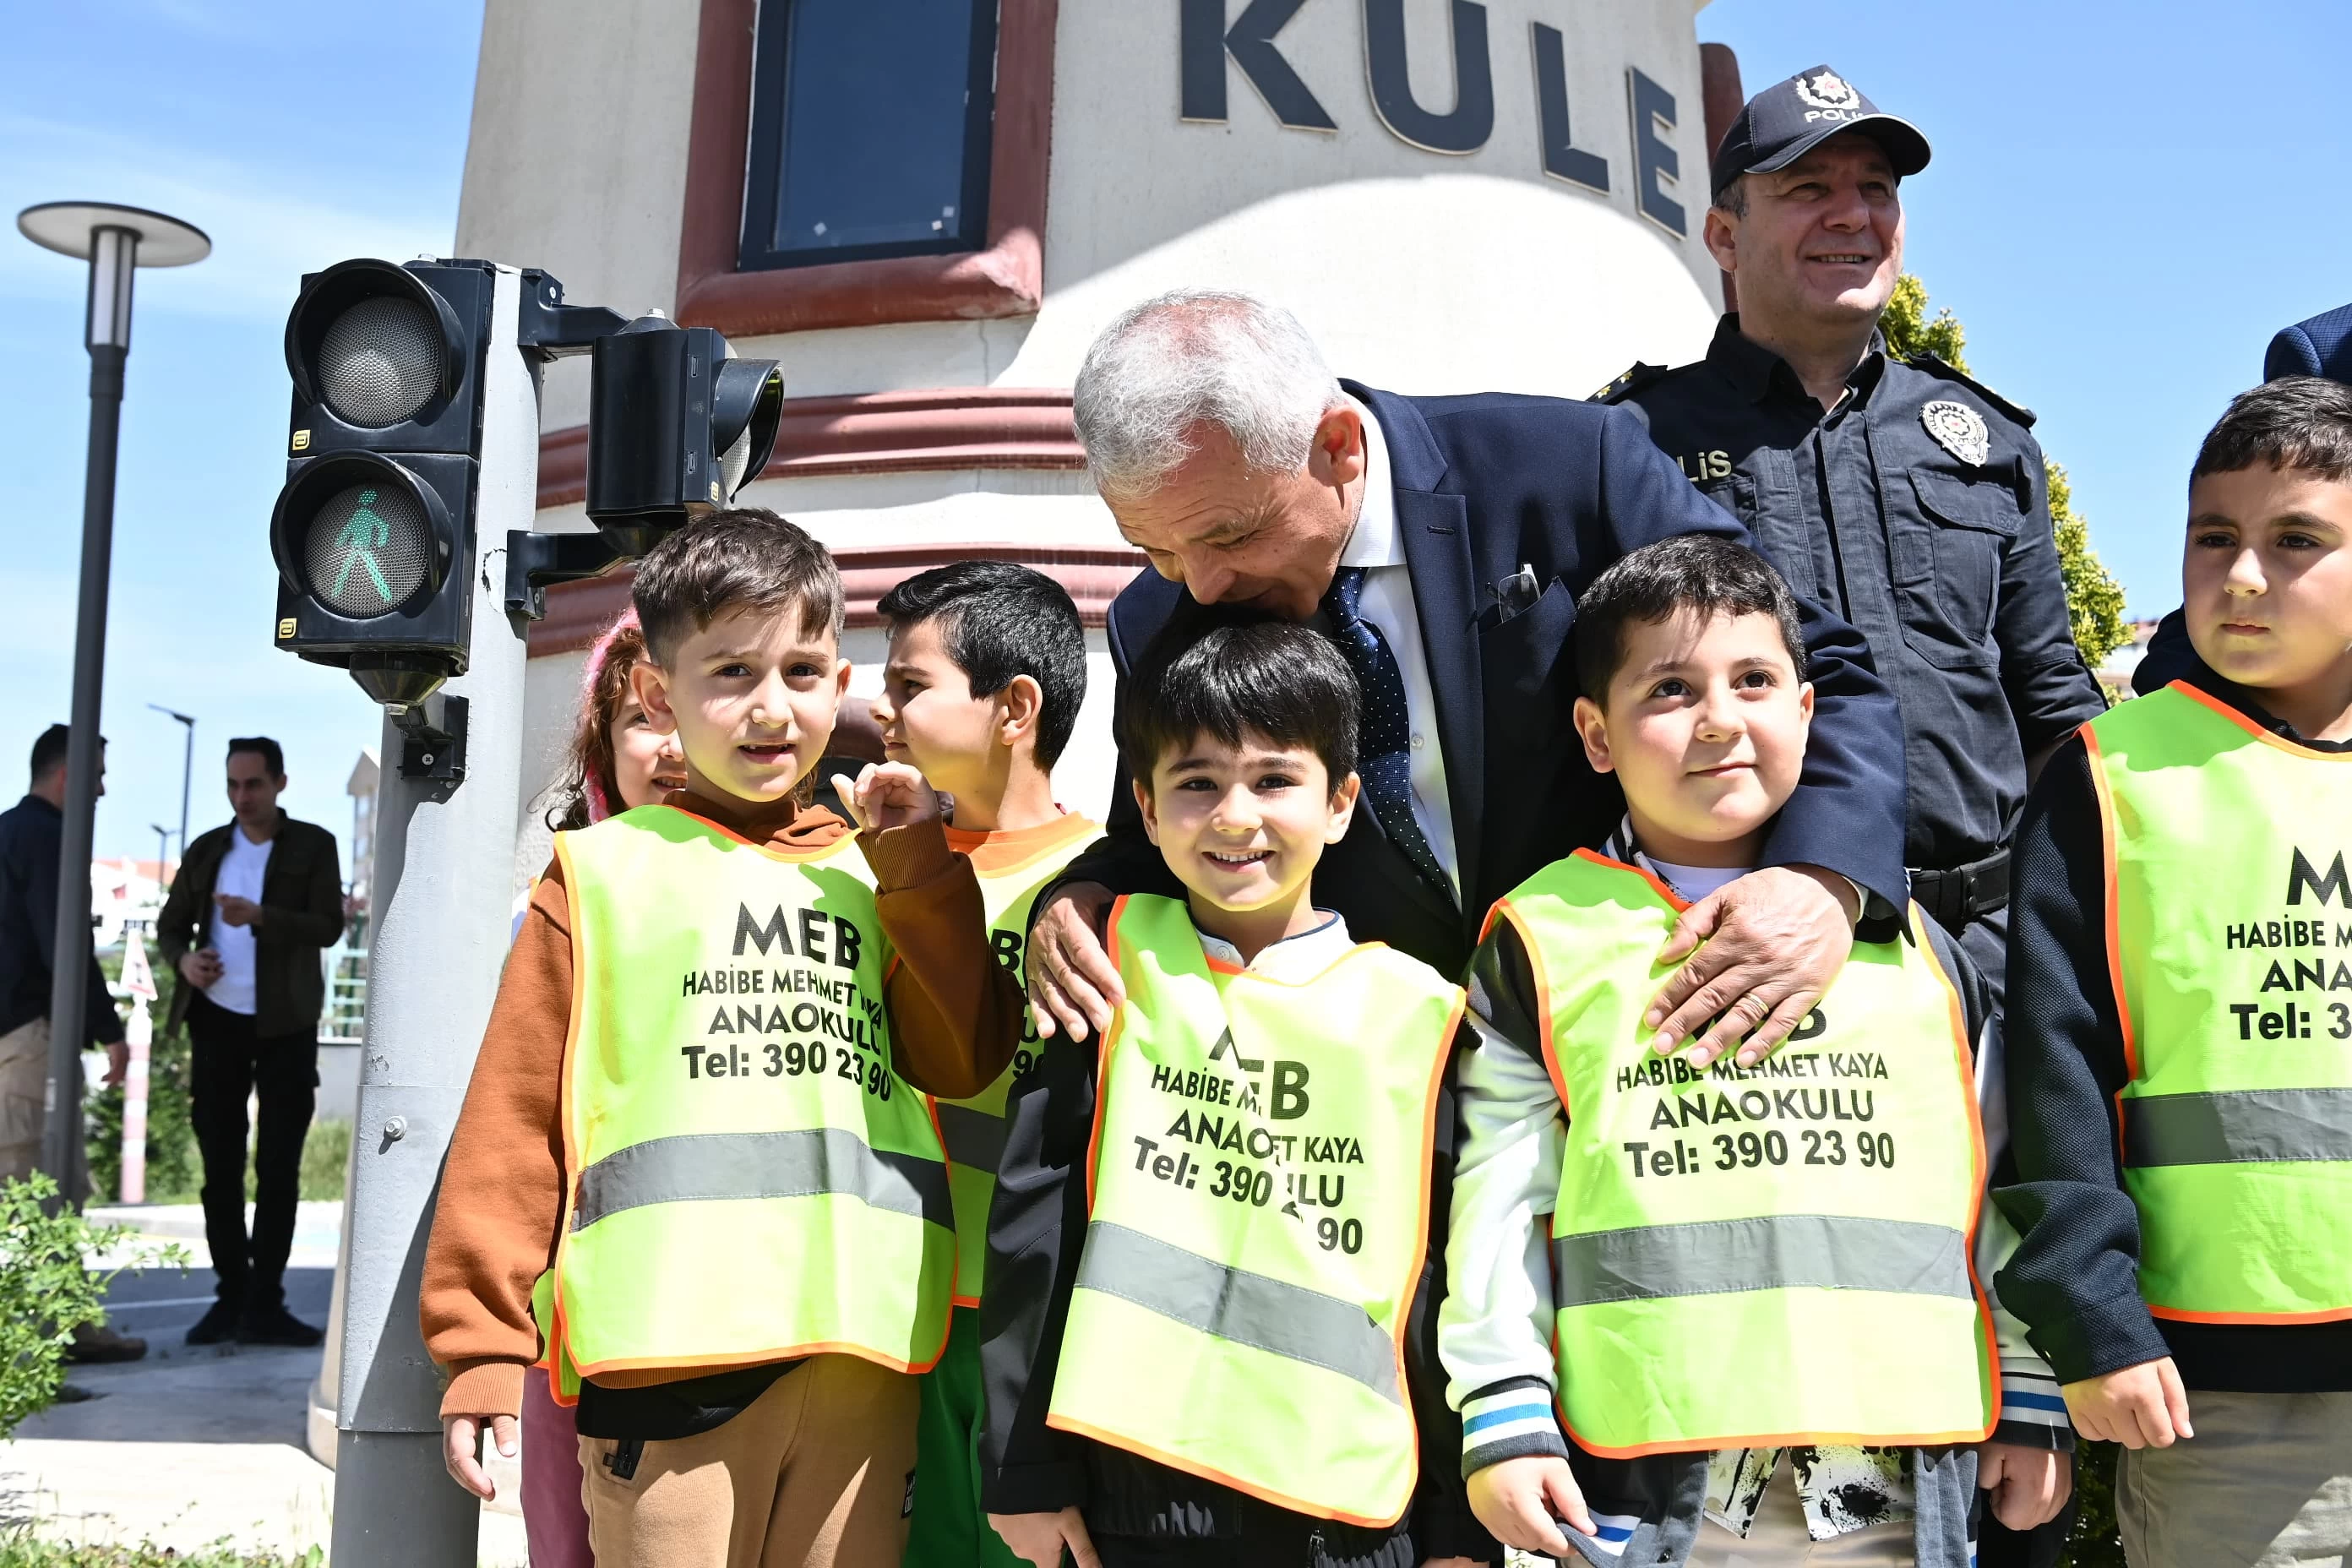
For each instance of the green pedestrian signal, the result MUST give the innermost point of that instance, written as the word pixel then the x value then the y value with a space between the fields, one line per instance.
pixel 364 533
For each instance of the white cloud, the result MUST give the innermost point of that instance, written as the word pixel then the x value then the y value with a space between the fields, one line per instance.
pixel 265 234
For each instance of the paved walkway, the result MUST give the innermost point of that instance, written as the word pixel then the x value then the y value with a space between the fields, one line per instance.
pixel 193 1445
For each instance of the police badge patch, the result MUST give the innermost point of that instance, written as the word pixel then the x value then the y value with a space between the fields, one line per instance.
pixel 1959 430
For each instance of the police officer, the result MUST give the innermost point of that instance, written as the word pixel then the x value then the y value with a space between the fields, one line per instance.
pixel 1896 491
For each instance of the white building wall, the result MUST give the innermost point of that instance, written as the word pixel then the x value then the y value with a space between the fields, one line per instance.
pixel 1417 271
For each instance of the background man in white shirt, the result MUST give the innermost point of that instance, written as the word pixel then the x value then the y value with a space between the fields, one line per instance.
pixel 251 906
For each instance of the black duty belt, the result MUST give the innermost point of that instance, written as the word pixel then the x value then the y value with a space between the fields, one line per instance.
pixel 1959 894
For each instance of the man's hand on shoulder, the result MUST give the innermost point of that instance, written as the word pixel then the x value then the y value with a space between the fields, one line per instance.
pixel 1761 951
pixel 1074 987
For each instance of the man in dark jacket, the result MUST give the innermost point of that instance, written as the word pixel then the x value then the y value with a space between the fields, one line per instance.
pixel 252 906
pixel 31 833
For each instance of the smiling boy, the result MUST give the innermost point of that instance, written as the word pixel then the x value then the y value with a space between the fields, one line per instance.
pixel 1209 1252
pixel 1664 1281
pixel 2180 1027
pixel 699 1102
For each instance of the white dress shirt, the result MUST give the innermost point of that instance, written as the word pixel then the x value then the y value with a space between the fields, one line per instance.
pixel 1387 605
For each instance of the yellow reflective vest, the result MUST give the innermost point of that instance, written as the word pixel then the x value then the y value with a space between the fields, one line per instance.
pixel 1762 1256
pixel 1012 867
pixel 2229 940
pixel 749 1178
pixel 1258 1214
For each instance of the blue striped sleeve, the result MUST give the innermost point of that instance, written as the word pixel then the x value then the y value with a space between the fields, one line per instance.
pixel 1509 1420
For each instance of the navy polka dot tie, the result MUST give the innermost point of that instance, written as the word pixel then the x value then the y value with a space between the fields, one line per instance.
pixel 1384 743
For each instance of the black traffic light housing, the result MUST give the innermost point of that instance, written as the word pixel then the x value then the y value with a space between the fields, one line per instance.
pixel 674 427
pixel 374 531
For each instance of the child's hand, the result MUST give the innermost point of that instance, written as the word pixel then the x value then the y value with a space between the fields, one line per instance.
pixel 2141 1406
pixel 2029 1485
pixel 1518 1500
pixel 461 1441
pixel 887 796
pixel 1038 1538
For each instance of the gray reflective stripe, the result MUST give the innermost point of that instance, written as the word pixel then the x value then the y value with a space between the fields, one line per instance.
pixel 696 1167
pixel 974 1138
pixel 2231 1126
pixel 1266 1314
pixel 1771 1252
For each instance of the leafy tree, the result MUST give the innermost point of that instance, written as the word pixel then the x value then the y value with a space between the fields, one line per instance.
pixel 2094 600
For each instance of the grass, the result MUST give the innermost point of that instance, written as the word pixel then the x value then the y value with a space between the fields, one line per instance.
pixel 326 1158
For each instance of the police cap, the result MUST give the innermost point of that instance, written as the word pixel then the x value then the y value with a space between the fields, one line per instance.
pixel 1789 119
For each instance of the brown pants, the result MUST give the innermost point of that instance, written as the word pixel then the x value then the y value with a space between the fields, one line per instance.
pixel 817 1473
pixel 24 1092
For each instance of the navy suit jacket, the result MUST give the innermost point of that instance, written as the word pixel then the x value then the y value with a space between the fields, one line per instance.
pixel 1484 485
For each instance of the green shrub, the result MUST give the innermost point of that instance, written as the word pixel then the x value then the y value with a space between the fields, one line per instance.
pixel 19 1549
pixel 47 1291
pixel 326 1160
pixel 2094 1542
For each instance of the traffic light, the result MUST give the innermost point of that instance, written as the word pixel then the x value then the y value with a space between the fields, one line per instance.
pixel 374 531
pixel 676 424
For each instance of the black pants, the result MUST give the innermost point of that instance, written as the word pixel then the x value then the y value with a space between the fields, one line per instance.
pixel 228 1062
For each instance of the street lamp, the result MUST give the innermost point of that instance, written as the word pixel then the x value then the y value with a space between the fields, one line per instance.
pixel 187 767
pixel 116 241
pixel 163 856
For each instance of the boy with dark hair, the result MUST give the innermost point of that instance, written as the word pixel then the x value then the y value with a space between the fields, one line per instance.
pixel 1663 1279
pixel 1210 1241
pixel 986 674
pixel 2180 1041
pixel 701 1103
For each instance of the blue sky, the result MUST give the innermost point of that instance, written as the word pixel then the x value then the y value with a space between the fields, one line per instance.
pixel 2126 202
pixel 294 135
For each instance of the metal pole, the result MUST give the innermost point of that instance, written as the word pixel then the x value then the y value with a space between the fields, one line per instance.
pixel 441 910
pixel 187 766
pixel 113 262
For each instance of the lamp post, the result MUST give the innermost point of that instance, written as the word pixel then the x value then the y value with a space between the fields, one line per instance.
pixel 116 241
pixel 162 855
pixel 187 768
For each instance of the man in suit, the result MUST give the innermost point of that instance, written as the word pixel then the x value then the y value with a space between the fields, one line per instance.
pixel 1459 531
pixel 1442 543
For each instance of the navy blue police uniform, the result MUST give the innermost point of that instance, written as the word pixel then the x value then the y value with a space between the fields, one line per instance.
pixel 1916 508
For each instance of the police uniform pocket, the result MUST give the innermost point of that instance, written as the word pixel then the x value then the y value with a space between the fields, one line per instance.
pixel 1947 557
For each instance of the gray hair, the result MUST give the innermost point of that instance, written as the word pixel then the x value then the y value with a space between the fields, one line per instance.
pixel 1192 357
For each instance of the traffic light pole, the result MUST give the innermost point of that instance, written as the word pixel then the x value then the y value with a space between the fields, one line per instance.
pixel 441 917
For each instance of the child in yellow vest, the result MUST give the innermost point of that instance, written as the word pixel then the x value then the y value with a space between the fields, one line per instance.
pixel 701 1102
pixel 1211 1234
pixel 2180 1027
pixel 986 675
pixel 1664 1280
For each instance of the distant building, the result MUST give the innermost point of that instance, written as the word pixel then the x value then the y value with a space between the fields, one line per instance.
pixel 123 889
